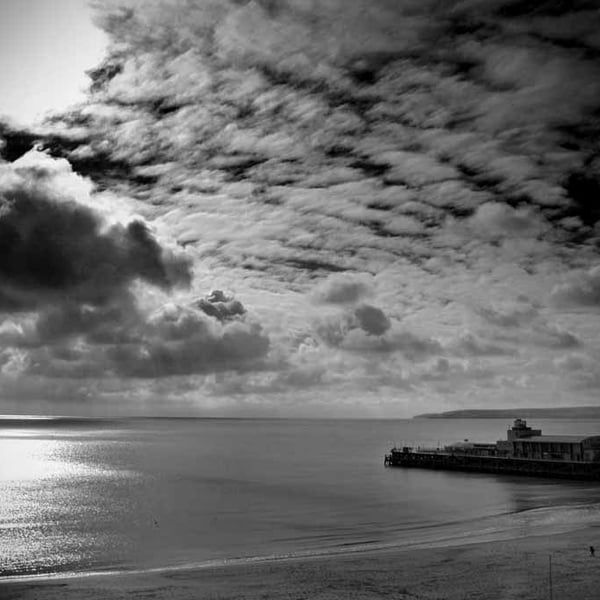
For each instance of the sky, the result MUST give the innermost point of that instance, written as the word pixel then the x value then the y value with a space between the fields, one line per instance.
pixel 342 208
pixel 45 49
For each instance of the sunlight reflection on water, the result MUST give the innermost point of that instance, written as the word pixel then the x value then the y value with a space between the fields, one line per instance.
pixel 49 502
pixel 26 458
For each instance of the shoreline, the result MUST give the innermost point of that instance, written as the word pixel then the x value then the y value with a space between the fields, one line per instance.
pixel 346 551
pixel 485 570
pixel 449 539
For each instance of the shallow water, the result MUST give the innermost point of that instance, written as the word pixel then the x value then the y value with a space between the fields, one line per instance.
pixel 81 495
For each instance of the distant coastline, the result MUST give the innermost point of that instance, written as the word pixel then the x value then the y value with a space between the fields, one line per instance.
pixel 563 412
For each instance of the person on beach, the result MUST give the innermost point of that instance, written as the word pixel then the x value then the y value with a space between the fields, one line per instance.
pixel 592 551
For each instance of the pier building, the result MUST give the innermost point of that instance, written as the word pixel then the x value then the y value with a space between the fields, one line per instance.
pixel 524 442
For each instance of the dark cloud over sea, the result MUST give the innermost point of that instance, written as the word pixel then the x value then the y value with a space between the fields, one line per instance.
pixel 399 200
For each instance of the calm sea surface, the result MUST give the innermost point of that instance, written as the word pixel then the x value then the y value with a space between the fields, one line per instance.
pixel 88 495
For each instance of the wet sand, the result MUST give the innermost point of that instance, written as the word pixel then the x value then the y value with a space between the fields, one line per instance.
pixel 503 570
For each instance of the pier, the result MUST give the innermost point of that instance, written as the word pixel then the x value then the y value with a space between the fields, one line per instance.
pixel 524 452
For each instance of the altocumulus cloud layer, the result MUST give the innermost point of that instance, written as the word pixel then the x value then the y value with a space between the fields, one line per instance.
pixel 398 199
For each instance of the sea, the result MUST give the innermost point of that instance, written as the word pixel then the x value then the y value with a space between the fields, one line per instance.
pixel 98 495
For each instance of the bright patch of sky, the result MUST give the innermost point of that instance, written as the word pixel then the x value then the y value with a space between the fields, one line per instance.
pixel 45 49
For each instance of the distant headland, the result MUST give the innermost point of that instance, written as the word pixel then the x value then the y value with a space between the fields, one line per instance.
pixel 562 412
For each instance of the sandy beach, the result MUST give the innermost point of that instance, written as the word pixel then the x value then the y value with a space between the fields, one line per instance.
pixel 501 570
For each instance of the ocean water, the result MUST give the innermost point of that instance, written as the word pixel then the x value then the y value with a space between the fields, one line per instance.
pixel 95 495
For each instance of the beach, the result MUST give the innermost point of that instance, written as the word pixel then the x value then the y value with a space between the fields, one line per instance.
pixel 501 570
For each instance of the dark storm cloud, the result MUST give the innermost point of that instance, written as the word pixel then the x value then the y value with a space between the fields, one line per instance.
pixel 61 323
pixel 53 248
pixel 13 142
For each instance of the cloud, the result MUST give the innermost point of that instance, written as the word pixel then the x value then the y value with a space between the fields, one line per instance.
pixel 173 340
pixel 221 306
pixel 180 341
pixel 574 362
pixel 55 248
pixel 493 219
pixel 555 337
pixel 414 169
pixel 344 288
pixel 302 95
pixel 519 325
pixel 371 319
pixel 582 371
pixel 510 316
pixel 470 345
pixel 367 330
pixel 411 345
pixel 581 289
pixel 341 165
